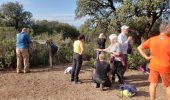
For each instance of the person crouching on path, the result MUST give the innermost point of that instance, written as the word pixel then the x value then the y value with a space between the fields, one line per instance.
pixel 159 57
pixel 77 58
pixel 22 44
pixel 101 72
pixel 116 60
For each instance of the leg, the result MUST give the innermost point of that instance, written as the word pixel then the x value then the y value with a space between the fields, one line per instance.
pixel 78 67
pixel 166 82
pixel 153 79
pixel 107 83
pixel 152 90
pixel 73 70
pixel 113 72
pixel 19 60
pixel 97 85
pixel 119 66
pixel 168 92
pixel 124 67
pixel 25 56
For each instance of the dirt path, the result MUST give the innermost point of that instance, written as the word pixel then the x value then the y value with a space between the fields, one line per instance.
pixel 47 84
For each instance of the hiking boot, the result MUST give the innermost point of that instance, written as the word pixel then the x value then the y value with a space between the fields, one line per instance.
pixel 72 80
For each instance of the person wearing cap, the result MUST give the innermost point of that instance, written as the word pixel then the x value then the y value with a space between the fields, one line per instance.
pixel 124 40
pixel 77 58
pixel 22 44
pixel 159 47
pixel 116 61
pixel 101 72
pixel 101 43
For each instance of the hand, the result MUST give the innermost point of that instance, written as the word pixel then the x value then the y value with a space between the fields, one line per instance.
pixel 98 49
pixel 149 58
pixel 129 38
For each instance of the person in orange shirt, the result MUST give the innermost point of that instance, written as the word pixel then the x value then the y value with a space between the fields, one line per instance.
pixel 159 57
pixel 77 58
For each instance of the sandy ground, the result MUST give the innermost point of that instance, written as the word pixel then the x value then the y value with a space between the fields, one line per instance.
pixel 52 84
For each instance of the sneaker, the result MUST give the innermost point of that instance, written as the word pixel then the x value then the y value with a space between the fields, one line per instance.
pixel 101 87
pixel 78 82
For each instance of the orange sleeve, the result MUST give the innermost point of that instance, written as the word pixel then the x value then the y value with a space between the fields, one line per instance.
pixel 146 44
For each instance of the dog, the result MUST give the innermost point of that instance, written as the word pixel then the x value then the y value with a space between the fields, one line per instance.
pixel 68 70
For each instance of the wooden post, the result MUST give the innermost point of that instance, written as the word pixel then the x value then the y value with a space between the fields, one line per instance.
pixel 50 56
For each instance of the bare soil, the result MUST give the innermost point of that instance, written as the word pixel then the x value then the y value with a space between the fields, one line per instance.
pixel 52 84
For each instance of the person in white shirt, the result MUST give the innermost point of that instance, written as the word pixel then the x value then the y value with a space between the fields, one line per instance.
pixel 115 58
pixel 123 39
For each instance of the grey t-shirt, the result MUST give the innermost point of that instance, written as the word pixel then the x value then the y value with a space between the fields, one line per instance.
pixel 115 48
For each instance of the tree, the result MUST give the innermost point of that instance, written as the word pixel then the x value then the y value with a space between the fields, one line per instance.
pixel 13 14
pixel 140 15
pixel 54 27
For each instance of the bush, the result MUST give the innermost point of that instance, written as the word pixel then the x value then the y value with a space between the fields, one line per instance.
pixel 7 52
pixel 135 60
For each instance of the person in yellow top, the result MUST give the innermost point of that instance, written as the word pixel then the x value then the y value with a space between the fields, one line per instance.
pixel 77 58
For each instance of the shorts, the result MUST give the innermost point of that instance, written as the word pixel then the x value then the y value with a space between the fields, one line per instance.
pixel 154 77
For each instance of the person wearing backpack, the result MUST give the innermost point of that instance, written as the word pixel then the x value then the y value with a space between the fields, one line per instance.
pixel 159 58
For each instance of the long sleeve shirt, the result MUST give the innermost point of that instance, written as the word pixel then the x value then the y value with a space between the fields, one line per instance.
pixel 23 40
pixel 123 40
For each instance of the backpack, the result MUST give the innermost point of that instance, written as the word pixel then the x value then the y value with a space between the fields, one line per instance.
pixel 54 48
pixel 128 90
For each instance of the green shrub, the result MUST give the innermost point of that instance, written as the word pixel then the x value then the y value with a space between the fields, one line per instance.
pixel 135 60
pixel 92 62
pixel 8 52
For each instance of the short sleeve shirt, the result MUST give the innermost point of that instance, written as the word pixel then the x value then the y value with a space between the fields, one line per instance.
pixel 115 48
pixel 159 47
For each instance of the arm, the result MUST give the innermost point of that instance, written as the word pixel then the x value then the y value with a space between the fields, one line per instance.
pixel 81 47
pixel 106 50
pixel 124 43
pixel 28 39
pixel 142 52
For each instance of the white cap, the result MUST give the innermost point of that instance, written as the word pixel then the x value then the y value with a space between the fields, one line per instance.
pixel 124 27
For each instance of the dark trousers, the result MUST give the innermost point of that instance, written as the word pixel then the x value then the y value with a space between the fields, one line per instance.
pixel 117 69
pixel 105 82
pixel 125 67
pixel 77 63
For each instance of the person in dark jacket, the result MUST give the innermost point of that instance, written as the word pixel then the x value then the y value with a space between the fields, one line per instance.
pixel 101 73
